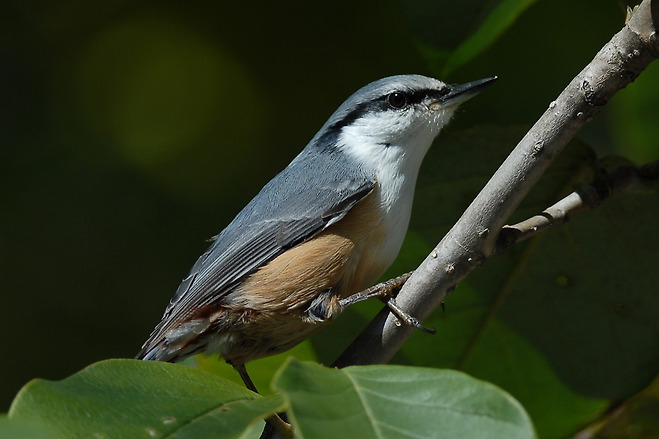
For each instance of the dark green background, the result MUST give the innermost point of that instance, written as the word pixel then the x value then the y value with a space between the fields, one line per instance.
pixel 133 132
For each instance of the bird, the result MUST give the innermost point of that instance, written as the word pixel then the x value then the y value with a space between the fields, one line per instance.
pixel 317 234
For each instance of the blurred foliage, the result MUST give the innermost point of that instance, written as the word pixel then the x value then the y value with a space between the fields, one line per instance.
pixel 169 91
pixel 636 418
pixel 135 131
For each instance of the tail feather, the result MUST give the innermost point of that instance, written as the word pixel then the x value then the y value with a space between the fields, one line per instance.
pixel 167 343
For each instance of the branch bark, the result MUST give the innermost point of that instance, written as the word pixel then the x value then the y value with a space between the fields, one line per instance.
pixel 586 198
pixel 475 236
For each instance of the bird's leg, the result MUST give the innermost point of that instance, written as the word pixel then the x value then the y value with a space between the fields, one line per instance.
pixel 283 428
pixel 382 291
pixel 386 291
pixel 242 371
pixel 408 319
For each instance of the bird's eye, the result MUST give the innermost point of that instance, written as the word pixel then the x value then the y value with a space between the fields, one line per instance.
pixel 397 99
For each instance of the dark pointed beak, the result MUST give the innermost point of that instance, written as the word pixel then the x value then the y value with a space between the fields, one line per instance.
pixel 463 92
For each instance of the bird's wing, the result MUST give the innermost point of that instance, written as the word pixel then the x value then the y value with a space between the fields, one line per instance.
pixel 296 205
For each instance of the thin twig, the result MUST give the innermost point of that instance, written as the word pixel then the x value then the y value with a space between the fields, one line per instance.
pixel 583 199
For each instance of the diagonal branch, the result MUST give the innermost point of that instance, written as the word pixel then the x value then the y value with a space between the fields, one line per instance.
pixel 474 238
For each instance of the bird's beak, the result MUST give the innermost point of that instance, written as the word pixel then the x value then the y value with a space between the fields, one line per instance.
pixel 463 92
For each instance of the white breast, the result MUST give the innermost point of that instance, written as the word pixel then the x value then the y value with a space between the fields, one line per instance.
pixel 396 169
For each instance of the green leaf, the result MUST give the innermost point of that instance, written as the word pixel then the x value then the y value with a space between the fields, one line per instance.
pixel 499 19
pixel 397 402
pixel 133 399
pixel 24 429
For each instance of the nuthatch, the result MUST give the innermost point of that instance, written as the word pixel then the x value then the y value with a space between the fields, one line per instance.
pixel 322 230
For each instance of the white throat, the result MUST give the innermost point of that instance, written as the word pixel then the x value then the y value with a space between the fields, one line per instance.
pixel 394 160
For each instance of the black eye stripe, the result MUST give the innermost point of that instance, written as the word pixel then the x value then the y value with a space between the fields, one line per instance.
pixel 381 103
pixel 417 96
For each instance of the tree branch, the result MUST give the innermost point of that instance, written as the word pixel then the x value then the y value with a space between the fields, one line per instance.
pixel 581 200
pixel 475 236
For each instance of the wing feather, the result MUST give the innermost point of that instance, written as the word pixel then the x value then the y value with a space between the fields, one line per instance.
pixel 292 208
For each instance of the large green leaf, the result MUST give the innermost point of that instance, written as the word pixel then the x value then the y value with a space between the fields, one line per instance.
pixel 25 429
pixel 397 402
pixel 133 399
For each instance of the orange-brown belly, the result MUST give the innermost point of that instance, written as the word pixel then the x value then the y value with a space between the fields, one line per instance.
pixel 267 313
